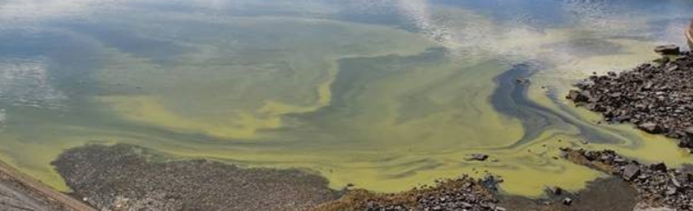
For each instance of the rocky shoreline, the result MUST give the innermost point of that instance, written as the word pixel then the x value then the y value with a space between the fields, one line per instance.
pixel 125 177
pixel 464 193
pixel 658 186
pixel 658 99
pixel 655 97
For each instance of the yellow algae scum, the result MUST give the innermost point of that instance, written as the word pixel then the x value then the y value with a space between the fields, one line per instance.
pixel 383 107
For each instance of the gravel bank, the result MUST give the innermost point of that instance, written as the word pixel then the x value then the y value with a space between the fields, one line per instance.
pixel 124 177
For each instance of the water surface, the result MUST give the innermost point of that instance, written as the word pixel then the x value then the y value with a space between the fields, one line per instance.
pixel 383 94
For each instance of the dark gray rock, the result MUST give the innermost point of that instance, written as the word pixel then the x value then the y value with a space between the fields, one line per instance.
pixel 630 172
pixel 477 157
pixel 668 50
pixel 650 127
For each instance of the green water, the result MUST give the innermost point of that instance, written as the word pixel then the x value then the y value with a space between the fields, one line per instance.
pixel 386 95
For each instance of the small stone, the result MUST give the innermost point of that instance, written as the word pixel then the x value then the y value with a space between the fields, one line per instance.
pixel 577 96
pixel 556 190
pixel 567 201
pixel 630 172
pixel 651 127
pixel 477 157
pixel 686 142
pixel 659 167
pixel 671 190
pixel 688 131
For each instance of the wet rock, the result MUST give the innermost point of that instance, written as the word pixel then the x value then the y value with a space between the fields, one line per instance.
pixel 650 127
pixel 630 172
pixel 567 201
pixel 667 50
pixel 477 157
pixel 688 131
pixel 523 81
pixel 686 143
pixel 577 96
pixel 556 190
pixel 658 167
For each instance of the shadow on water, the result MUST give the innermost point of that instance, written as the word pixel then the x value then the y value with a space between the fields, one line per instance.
pixel 510 98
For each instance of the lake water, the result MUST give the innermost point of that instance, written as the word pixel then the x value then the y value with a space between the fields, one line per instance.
pixel 383 94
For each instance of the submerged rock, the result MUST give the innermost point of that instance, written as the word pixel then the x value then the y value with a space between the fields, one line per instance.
pixel 477 157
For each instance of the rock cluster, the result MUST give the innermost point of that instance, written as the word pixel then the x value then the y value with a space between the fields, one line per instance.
pixel 657 98
pixel 464 193
pixel 466 197
pixel 657 185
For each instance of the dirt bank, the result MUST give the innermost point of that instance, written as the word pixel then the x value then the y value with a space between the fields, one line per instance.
pixel 124 177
